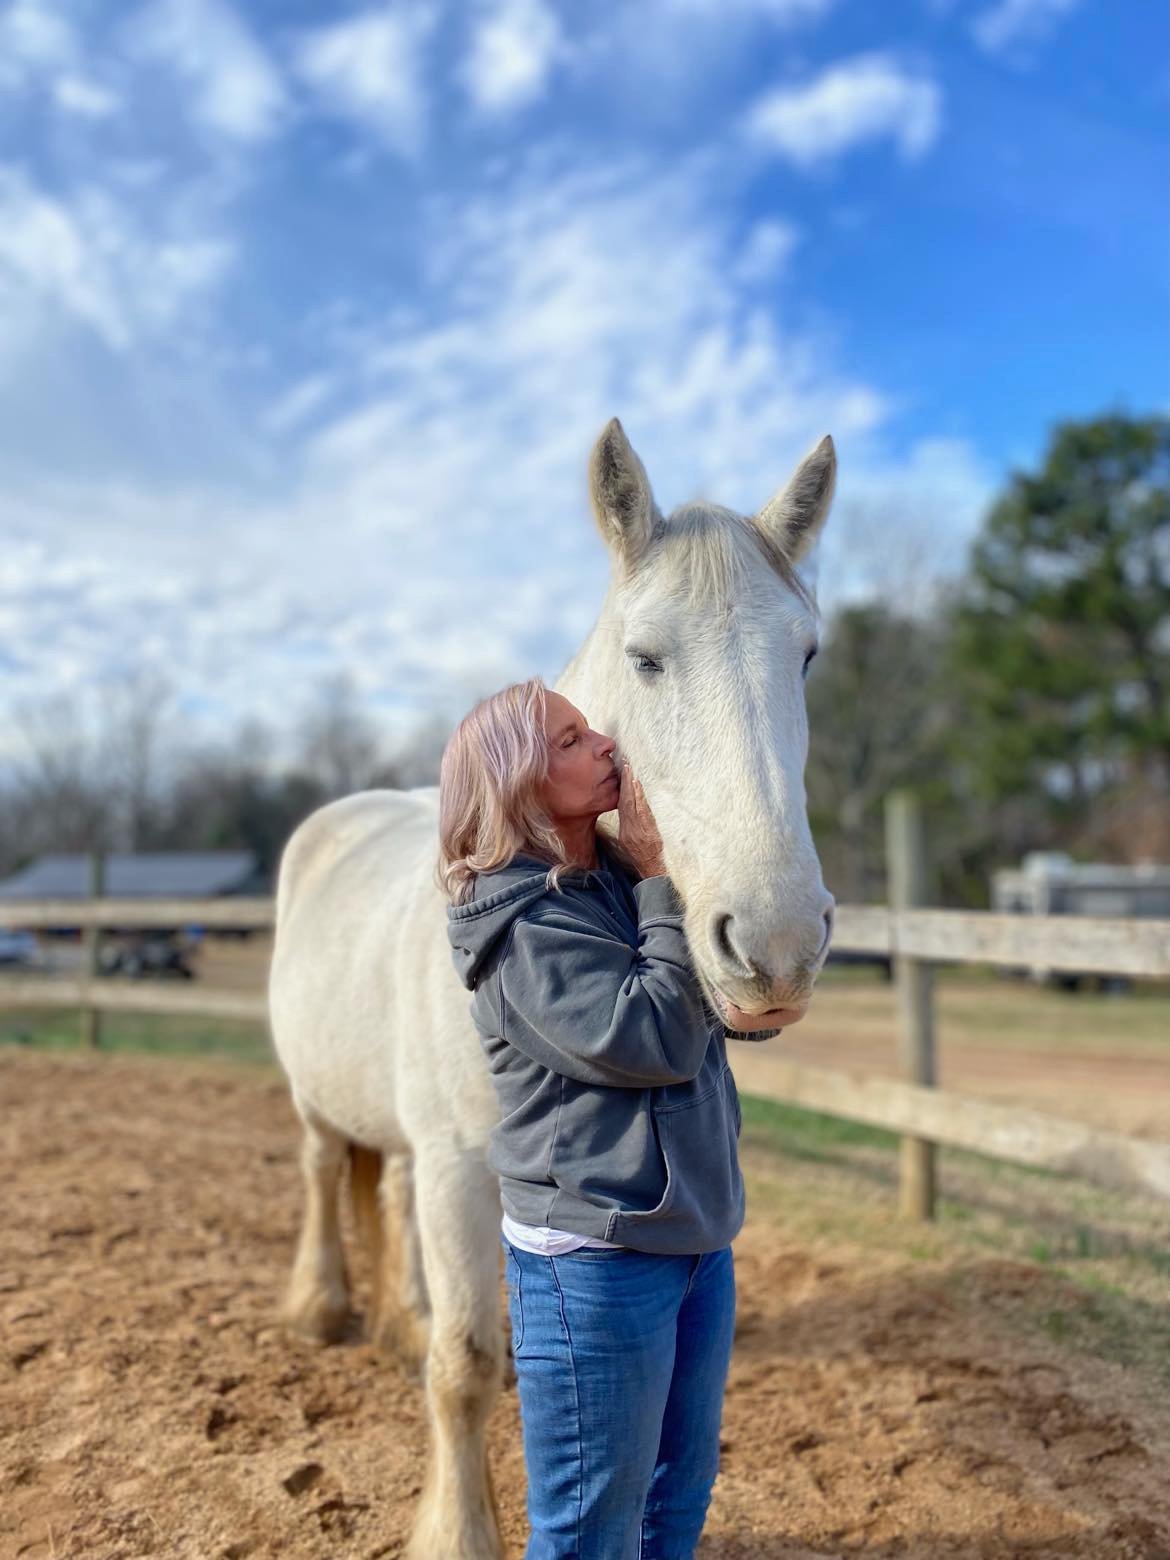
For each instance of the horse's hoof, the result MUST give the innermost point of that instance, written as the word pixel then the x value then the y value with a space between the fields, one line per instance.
pixel 318 1318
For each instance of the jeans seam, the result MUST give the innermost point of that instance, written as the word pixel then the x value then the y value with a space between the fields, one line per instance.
pixel 576 1398
pixel 517 1342
pixel 694 1271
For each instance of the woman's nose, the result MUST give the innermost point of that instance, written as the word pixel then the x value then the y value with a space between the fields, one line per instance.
pixel 606 746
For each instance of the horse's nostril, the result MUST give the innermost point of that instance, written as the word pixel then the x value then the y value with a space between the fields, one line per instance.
pixel 722 940
pixel 827 918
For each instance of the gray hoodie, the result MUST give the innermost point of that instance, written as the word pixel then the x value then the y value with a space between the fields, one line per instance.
pixel 619 1115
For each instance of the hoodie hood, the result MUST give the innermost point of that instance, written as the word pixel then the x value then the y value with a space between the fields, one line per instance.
pixel 474 929
pixel 498 898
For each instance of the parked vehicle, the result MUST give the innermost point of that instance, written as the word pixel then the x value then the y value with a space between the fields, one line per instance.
pixel 139 955
pixel 18 948
pixel 1052 883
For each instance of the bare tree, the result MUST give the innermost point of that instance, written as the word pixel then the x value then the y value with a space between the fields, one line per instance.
pixel 232 796
pixel 415 760
pixel 878 719
pixel 134 732
pixel 59 786
pixel 338 745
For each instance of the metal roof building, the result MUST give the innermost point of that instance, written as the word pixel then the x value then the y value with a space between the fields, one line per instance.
pixel 200 874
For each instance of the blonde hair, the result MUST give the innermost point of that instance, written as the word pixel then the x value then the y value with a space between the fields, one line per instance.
pixel 493 766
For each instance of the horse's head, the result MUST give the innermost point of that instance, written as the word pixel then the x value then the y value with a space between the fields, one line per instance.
pixel 696 666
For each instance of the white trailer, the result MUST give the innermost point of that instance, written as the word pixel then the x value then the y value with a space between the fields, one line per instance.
pixel 1052 883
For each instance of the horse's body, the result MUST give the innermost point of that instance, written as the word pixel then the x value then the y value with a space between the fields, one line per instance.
pixel 694 666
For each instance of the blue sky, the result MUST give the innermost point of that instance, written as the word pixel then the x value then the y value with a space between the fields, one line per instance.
pixel 308 315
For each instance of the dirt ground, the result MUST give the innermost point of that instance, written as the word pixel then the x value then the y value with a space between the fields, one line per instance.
pixel 150 1406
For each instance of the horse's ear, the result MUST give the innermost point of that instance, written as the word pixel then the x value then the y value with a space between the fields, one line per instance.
pixel 620 493
pixel 792 520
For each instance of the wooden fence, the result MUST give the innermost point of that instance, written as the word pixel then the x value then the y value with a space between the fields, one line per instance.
pixel 914 937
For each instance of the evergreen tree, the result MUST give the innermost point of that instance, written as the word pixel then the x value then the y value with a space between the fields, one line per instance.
pixel 1061 645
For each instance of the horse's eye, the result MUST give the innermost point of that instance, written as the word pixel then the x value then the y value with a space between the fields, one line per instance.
pixel 808 661
pixel 647 663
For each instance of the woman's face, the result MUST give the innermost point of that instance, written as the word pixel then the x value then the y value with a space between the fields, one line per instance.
pixel 582 779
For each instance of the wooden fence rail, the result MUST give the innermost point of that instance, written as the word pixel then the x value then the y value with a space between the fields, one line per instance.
pixel 1091 945
pixel 1023 1137
pixel 914 937
pixel 1094 945
pixel 244 915
pixel 110 995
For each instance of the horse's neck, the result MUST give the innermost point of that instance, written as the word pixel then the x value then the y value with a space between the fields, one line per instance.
pixel 586 682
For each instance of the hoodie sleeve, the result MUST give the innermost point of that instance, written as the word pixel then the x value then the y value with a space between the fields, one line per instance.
pixel 582 1002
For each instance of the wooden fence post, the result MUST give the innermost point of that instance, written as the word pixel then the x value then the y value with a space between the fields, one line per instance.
pixel 91 1021
pixel 906 867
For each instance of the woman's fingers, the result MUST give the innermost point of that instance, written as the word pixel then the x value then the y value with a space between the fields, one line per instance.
pixel 630 810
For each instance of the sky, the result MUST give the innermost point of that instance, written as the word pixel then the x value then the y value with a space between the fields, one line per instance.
pixel 309 316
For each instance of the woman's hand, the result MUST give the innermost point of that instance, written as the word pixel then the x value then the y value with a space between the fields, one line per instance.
pixel 637 830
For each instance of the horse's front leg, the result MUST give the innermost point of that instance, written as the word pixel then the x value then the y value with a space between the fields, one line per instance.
pixel 457 1205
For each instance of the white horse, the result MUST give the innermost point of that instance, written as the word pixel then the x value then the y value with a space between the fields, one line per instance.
pixel 695 666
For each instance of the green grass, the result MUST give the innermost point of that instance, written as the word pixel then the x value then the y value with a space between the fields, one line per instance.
pixel 806 1134
pixel 1102 1257
pixel 141 1032
pixel 984 1005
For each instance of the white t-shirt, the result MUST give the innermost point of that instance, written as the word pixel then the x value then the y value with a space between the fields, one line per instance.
pixel 545 1241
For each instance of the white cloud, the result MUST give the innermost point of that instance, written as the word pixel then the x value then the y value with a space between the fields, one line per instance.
pixel 87 258
pixel 668 60
pixel 783 11
pixel 765 251
pixel 86 98
pixel 1013 22
pixel 39 47
pixel 236 90
pixel 560 304
pixel 902 526
pixel 514 46
pixel 293 408
pixel 431 535
pixel 370 69
pixel 251 608
pixel 33 38
pixel 44 253
pixel 865 98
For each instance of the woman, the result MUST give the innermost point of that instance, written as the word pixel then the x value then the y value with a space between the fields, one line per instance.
pixel 617 1141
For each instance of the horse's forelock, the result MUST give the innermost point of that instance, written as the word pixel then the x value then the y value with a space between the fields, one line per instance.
pixel 711 552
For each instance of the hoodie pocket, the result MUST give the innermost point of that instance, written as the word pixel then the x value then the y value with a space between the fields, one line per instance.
pixel 698 1137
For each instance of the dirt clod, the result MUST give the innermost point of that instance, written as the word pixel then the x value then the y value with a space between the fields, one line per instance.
pixel 303 1478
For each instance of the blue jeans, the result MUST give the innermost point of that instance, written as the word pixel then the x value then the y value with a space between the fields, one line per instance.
pixel 621 1360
